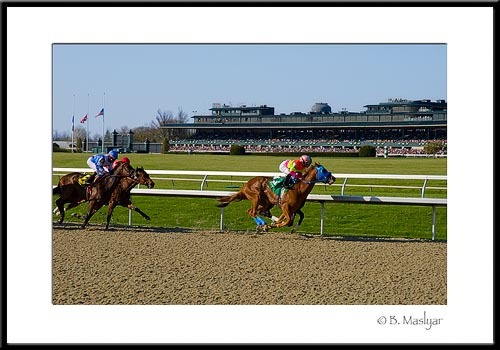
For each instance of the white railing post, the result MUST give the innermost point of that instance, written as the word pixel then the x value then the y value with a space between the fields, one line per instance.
pixel 322 220
pixel 433 222
pixel 343 186
pixel 221 226
pixel 423 187
pixel 203 182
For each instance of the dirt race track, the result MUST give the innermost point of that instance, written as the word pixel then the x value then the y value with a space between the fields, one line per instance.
pixel 156 266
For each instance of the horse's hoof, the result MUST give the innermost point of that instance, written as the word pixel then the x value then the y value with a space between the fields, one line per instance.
pixel 261 228
pixel 147 218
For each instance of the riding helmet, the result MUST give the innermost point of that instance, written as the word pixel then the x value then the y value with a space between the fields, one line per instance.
pixel 305 159
pixel 113 154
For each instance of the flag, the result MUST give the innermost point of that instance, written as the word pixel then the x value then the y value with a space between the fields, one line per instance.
pixel 73 124
pixel 84 119
pixel 100 113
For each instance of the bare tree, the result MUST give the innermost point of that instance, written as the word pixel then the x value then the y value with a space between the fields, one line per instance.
pixel 163 118
pixel 142 133
pixel 181 118
pixel 56 135
pixel 123 130
pixel 80 132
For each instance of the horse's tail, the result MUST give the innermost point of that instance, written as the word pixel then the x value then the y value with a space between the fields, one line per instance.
pixel 224 201
pixel 56 190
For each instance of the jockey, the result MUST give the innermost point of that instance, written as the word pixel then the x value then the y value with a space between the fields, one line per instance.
pixel 293 169
pixel 101 164
pixel 119 161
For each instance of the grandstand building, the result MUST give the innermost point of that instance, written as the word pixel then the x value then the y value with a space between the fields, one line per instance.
pixel 395 123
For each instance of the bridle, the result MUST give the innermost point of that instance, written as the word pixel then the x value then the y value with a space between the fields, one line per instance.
pixel 134 177
pixel 320 177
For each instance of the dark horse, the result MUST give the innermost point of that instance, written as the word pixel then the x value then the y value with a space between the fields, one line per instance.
pixel 121 194
pixel 258 191
pixel 111 189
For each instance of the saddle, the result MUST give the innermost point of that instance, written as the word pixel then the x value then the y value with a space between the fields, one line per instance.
pixel 83 181
pixel 277 185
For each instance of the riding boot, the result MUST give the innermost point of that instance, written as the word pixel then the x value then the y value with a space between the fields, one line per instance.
pixel 288 183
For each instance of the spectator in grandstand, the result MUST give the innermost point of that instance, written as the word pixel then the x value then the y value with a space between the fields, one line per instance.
pixel 101 164
pixel 293 169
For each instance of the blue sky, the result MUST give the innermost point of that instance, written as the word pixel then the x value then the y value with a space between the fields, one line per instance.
pixel 133 81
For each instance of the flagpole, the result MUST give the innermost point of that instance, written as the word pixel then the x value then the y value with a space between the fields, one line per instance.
pixel 88 111
pixel 73 127
pixel 103 106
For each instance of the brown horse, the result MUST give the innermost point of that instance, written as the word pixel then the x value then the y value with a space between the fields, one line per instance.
pixel 258 191
pixel 122 181
pixel 121 194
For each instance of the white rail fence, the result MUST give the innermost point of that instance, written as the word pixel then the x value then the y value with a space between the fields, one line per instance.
pixel 320 198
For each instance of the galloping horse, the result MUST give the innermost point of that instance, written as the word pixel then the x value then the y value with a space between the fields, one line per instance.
pixel 121 194
pixel 121 182
pixel 258 191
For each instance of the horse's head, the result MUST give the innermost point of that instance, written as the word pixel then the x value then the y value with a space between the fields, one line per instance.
pixel 141 176
pixel 323 175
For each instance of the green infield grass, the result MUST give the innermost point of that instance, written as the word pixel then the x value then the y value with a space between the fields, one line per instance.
pixel 349 220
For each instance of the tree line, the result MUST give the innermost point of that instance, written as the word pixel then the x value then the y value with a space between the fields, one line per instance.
pixel 152 132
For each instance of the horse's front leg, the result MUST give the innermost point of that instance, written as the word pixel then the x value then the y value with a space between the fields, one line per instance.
pixel 301 217
pixel 144 215
pixel 111 207
pixel 284 219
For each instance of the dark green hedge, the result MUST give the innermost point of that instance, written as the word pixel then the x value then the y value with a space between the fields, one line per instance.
pixel 237 150
pixel 367 151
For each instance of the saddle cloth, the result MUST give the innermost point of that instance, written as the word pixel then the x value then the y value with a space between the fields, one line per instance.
pixel 83 180
pixel 276 184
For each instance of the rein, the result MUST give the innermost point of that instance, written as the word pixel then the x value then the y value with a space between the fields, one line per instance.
pixel 310 182
pixel 317 179
pixel 131 176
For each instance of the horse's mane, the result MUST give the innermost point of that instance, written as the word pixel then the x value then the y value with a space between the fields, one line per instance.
pixel 310 168
pixel 120 167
